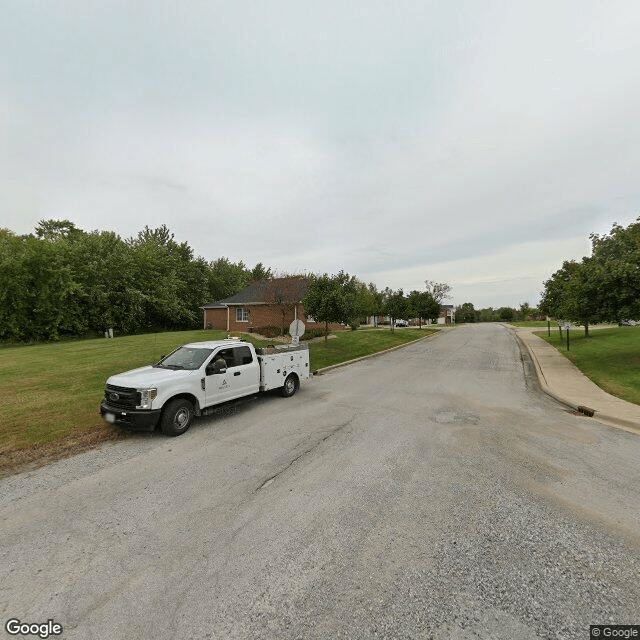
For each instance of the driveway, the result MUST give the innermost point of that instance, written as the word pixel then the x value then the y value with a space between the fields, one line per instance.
pixel 433 492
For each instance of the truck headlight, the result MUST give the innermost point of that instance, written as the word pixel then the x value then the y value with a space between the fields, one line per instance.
pixel 146 398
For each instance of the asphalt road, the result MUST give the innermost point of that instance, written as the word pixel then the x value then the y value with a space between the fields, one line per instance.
pixel 432 492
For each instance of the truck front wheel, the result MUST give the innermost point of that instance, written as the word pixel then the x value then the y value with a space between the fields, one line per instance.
pixel 176 417
pixel 290 386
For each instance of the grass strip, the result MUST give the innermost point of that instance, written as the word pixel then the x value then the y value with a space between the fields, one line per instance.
pixel 608 357
pixel 531 323
pixel 355 344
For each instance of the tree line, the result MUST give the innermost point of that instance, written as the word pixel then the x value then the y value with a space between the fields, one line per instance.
pixel 468 313
pixel 603 287
pixel 344 298
pixel 63 281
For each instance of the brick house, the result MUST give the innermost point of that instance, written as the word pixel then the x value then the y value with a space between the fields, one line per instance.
pixel 447 314
pixel 276 302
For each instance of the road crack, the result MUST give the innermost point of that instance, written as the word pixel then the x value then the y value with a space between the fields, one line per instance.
pixel 317 444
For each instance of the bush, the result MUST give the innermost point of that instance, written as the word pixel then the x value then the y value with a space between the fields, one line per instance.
pixel 268 332
pixel 312 333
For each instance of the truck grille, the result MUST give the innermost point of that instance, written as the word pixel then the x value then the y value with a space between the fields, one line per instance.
pixel 121 397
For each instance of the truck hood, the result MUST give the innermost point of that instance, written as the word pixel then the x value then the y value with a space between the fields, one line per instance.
pixel 149 376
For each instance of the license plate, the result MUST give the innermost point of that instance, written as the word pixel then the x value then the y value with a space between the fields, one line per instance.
pixel 109 417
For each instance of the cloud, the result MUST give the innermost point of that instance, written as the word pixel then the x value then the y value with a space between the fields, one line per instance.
pixel 397 141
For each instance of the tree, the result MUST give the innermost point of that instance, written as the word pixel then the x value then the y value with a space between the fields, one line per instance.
pixel 376 298
pixel 616 258
pixel 554 294
pixel 506 313
pixel 395 306
pixel 574 293
pixel 259 272
pixel 487 314
pixel 64 281
pixel 332 299
pixel 525 311
pixel 158 262
pixel 351 299
pixel 55 229
pixel 423 306
pixel 36 289
pixel 226 278
pixel 602 287
pixel 285 293
pixel 364 303
pixel 466 313
pixel 439 290
pixel 413 305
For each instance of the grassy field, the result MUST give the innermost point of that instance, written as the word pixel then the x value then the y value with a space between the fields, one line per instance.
pixel 609 357
pixel 50 393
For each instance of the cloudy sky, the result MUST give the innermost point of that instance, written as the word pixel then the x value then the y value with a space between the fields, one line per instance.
pixel 476 143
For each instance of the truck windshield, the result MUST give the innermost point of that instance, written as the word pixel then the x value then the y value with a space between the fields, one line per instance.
pixel 185 358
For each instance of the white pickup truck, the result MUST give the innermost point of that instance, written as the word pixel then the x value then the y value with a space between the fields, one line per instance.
pixel 196 376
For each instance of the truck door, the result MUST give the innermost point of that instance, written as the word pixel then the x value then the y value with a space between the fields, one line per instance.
pixel 244 372
pixel 242 376
pixel 217 388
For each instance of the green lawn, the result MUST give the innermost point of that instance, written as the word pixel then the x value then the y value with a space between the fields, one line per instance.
pixel 609 357
pixel 50 392
pixel 348 345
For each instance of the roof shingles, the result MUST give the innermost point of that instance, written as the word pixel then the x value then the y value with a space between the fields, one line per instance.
pixel 272 291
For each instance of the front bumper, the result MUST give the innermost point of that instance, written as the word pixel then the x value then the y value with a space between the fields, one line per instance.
pixel 133 419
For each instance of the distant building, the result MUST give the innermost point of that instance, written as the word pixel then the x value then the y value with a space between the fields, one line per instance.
pixel 447 314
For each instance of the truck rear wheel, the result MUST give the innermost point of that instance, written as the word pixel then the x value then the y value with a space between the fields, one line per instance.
pixel 290 386
pixel 176 417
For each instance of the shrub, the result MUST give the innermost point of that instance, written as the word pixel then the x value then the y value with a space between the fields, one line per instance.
pixel 312 333
pixel 268 332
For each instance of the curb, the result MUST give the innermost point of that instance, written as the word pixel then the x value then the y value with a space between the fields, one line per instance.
pixel 541 379
pixel 324 370
pixel 612 421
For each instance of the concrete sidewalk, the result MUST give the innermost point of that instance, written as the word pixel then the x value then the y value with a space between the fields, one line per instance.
pixel 562 380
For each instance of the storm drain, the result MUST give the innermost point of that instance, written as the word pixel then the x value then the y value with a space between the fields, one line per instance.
pixel 582 411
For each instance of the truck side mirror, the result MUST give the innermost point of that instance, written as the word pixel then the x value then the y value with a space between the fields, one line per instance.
pixel 219 366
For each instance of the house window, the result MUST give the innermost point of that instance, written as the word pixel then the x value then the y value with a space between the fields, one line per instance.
pixel 242 314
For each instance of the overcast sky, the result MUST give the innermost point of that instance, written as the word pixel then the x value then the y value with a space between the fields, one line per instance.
pixel 476 143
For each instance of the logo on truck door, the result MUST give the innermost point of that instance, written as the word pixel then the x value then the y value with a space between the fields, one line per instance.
pixel 223 385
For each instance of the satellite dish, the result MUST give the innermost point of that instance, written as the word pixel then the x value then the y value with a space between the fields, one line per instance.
pixel 296 330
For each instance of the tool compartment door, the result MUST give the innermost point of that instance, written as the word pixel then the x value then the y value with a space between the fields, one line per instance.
pixel 274 368
pixel 272 371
